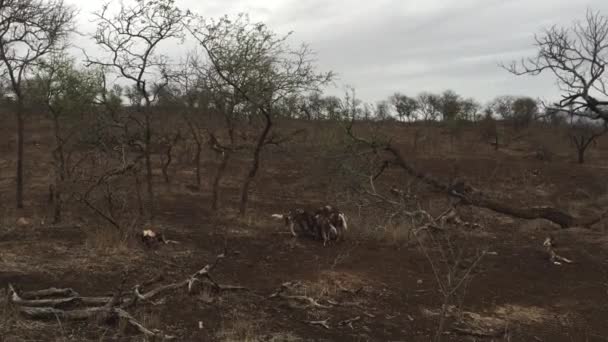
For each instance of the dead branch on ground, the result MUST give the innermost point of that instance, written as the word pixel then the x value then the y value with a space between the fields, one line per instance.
pixel 469 195
pixel 53 303
pixel 349 322
pixel 324 323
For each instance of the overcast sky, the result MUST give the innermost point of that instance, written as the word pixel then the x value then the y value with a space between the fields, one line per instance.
pixel 384 46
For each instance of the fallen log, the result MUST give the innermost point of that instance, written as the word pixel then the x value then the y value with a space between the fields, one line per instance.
pixel 471 196
pixel 48 313
pixel 104 309
pixel 50 292
pixel 54 302
pixel 85 314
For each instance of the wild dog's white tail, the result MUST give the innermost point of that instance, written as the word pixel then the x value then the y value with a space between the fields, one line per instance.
pixel 278 216
pixel 343 218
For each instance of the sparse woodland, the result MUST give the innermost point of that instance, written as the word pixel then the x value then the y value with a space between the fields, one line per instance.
pixel 448 200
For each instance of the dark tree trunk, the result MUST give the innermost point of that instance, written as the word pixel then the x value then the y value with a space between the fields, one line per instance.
pixel 60 171
pixel 197 160
pixel 215 202
pixel 255 165
pixel 581 155
pixel 148 161
pixel 194 132
pixel 140 202
pixel 167 163
pixel 20 136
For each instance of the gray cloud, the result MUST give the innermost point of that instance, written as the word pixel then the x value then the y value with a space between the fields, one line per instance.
pixel 384 46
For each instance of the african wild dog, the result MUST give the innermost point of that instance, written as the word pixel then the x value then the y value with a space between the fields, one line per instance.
pixel 304 221
pixel 336 219
pixel 326 223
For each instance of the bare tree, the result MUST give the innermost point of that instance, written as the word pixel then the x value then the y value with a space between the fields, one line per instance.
pixel 131 38
pixel 450 105
pixel 584 134
pixel 577 56
pixel 29 29
pixel 429 106
pixel 67 94
pixel 382 111
pixel 188 83
pixel 469 109
pixel 261 67
pixel 502 106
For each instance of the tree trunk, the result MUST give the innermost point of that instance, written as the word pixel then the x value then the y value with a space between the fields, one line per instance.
pixel 60 170
pixel 581 155
pixel 197 160
pixel 140 202
pixel 255 165
pixel 148 161
pixel 20 136
pixel 167 163
pixel 215 202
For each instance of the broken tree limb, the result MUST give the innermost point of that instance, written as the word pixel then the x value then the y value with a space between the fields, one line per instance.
pixel 324 323
pixel 349 322
pixel 471 196
pixel 48 313
pixel 154 334
pixel 153 293
pixel 232 288
pixel 475 197
pixel 55 302
pixel 105 309
pixel 50 292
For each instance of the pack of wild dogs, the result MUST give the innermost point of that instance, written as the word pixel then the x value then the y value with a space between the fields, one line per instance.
pixel 326 223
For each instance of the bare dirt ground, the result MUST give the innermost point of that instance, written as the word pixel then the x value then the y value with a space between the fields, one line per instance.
pixel 378 274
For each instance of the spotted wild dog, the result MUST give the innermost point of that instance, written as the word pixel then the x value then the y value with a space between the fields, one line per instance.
pixel 301 218
pixel 336 218
pixel 325 228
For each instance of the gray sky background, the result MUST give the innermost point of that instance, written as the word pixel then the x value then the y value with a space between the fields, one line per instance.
pixel 384 46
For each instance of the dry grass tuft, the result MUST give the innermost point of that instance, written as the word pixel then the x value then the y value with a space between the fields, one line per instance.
pixel 239 328
pixel 107 241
